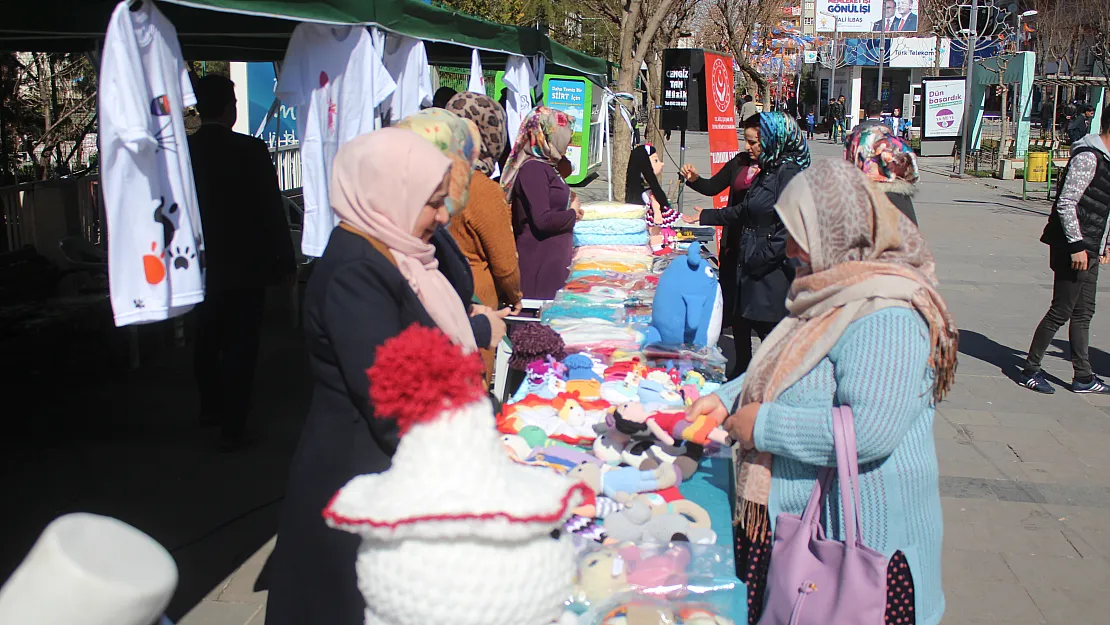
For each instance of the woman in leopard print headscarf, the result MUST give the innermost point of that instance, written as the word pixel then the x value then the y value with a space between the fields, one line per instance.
pixel 484 229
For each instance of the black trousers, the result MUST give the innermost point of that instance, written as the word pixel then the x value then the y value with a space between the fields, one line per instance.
pixel 1073 302
pixel 228 326
pixel 742 329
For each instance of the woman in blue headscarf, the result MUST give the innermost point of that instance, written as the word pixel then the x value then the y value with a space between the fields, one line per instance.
pixel 774 141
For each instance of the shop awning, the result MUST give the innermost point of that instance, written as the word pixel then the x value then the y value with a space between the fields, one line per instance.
pixel 1071 81
pixel 258 30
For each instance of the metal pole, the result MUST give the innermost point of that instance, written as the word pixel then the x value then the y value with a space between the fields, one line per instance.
pixel 681 162
pixel 882 53
pixel 972 42
pixel 832 80
pixel 782 61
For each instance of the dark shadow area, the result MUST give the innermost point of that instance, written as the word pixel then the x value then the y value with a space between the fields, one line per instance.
pixel 1009 360
pixel 83 431
pixel 586 181
pixel 1100 360
pixel 983 348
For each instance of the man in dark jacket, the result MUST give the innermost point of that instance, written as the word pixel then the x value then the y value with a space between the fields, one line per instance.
pixel 1076 235
pixel 837 112
pixel 248 249
pixel 1080 126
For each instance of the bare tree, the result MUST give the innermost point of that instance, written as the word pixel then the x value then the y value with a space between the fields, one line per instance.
pixel 934 19
pixel 638 23
pixel 734 23
pixel 48 107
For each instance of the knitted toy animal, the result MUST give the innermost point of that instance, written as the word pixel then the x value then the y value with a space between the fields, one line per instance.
pixel 688 305
pixel 446 542
pixel 640 521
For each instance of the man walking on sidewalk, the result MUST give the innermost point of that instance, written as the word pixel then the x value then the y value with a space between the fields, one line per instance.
pixel 1076 236
pixel 836 115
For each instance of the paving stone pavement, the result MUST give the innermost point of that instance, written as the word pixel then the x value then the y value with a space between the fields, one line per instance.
pixel 1025 478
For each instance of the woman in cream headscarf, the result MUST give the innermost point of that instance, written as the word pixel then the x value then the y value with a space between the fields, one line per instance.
pixel 460 140
pixel 866 329
pixel 378 276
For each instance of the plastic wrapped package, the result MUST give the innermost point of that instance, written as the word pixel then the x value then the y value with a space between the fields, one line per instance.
pixel 632 238
pixel 605 279
pixel 597 336
pixel 604 295
pixel 611 227
pixel 610 251
pixel 710 360
pixel 612 210
pixel 581 310
pixel 638 313
pixel 640 610
pixel 617 266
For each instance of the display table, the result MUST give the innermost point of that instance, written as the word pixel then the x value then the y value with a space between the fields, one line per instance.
pixel 712 488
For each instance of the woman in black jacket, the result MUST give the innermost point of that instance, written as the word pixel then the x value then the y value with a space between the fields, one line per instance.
pixel 378 276
pixel 763 272
pixel 736 176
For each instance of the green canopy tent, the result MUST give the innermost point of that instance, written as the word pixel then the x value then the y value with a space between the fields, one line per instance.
pixel 258 30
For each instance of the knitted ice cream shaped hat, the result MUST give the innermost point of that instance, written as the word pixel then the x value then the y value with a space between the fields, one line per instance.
pixel 454 532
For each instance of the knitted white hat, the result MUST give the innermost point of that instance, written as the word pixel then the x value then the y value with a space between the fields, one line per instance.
pixel 87 569
pixel 454 533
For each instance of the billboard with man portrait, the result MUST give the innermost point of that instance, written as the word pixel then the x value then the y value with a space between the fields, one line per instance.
pixel 868 16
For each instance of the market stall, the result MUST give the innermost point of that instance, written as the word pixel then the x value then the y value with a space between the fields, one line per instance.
pixel 608 369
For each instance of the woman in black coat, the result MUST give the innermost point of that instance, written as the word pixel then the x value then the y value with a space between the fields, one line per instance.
pixel 378 276
pixel 736 176
pixel 763 272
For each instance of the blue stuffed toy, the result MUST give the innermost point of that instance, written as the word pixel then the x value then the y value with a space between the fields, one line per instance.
pixel 688 305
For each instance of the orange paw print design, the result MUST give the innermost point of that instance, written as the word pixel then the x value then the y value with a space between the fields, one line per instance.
pixel 153 266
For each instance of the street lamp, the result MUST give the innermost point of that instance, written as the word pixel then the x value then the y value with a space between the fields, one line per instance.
pixel 836 32
pixel 973 41
pixel 1021 35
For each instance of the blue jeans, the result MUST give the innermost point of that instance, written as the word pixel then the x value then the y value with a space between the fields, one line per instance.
pixel 837 131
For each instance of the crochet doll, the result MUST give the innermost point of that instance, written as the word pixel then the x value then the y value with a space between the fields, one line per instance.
pixel 446 542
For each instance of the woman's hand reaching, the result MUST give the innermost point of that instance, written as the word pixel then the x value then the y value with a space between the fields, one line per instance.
pixel 689 172
pixel 696 219
pixel 709 406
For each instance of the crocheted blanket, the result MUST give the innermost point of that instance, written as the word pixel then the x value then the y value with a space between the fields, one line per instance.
pixel 611 226
pixel 638 238
pixel 611 210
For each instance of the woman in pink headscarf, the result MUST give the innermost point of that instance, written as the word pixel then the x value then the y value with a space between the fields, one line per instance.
pixel 378 276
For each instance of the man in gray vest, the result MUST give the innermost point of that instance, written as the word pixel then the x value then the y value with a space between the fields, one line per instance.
pixel 1076 236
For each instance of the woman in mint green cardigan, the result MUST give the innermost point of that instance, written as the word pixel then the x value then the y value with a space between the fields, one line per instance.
pixel 867 330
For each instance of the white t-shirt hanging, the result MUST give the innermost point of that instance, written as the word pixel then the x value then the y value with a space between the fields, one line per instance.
pixel 477 78
pixel 521 83
pixel 334 77
pixel 407 62
pixel 155 241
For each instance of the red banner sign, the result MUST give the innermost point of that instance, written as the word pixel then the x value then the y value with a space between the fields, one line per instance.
pixel 720 105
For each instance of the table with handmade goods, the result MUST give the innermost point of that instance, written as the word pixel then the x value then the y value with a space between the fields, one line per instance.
pixel 608 371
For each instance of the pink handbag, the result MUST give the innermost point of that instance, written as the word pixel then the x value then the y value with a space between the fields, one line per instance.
pixel 816 581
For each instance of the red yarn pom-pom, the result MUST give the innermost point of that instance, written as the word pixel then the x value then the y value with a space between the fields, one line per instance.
pixel 420 373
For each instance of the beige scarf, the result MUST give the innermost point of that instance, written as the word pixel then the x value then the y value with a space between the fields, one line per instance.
pixel 864 256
